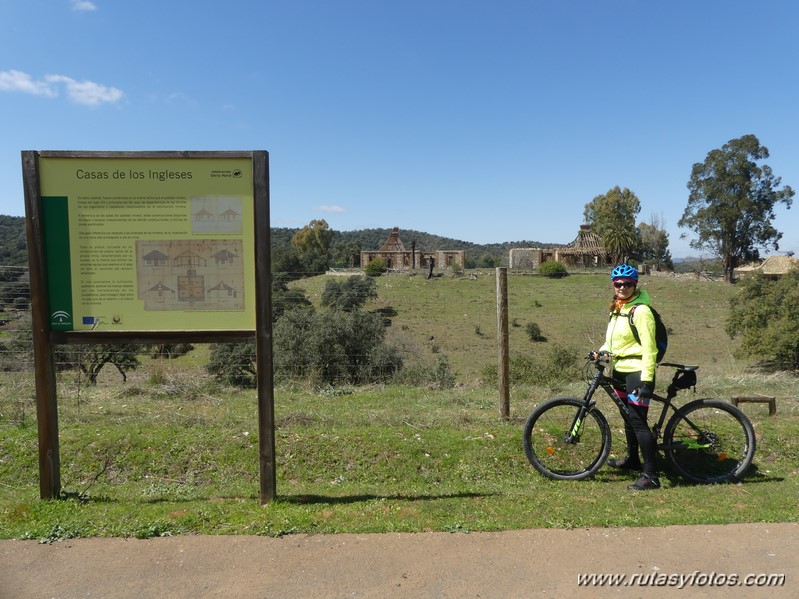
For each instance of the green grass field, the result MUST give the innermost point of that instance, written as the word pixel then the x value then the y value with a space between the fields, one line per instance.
pixel 172 452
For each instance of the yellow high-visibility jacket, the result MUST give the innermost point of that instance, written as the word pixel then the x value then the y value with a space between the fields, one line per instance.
pixel 628 354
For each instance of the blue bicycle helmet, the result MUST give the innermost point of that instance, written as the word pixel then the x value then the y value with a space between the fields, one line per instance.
pixel 624 271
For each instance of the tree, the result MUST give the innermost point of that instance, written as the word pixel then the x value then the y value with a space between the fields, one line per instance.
pixel 612 217
pixel 347 254
pixel 488 260
pixel 315 236
pixel 92 358
pixel 614 211
pixel 313 245
pixel 731 203
pixel 620 243
pixel 286 262
pixel 655 243
pixel 765 313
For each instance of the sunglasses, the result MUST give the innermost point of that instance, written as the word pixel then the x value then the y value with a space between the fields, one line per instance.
pixel 620 284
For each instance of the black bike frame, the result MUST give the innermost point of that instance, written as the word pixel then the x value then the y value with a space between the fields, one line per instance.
pixel 600 380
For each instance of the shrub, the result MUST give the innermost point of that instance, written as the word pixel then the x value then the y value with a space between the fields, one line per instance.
pixel 534 332
pixel 348 294
pixel 375 268
pixel 436 376
pixel 285 298
pixel 553 270
pixel 334 347
pixel 556 368
pixel 169 350
pixel 765 314
pixel 233 364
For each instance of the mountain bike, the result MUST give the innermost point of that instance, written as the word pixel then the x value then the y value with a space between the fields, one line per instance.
pixel 705 441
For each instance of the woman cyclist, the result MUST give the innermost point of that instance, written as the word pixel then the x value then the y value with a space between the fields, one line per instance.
pixel 634 362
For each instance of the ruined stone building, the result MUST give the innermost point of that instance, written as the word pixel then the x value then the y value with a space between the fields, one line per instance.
pixel 772 267
pixel 397 257
pixel 586 251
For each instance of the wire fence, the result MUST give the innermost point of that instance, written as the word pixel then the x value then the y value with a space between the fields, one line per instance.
pixel 16 347
pixel 323 333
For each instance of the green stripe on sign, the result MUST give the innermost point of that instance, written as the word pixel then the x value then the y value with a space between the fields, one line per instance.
pixel 55 225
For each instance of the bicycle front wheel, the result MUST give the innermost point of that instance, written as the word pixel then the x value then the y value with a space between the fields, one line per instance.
pixel 709 441
pixel 562 446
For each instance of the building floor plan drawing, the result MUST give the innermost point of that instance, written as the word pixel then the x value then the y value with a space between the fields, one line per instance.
pixel 197 274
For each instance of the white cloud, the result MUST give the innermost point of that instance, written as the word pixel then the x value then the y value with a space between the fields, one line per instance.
pixel 17 81
pixel 80 92
pixel 326 208
pixel 83 5
pixel 87 92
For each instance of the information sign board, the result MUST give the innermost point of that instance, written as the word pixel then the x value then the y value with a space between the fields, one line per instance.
pixel 148 243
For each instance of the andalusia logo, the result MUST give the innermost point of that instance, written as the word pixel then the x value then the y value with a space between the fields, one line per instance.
pixel 60 318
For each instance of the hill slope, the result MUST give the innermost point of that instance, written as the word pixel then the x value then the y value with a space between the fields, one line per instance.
pixel 13 249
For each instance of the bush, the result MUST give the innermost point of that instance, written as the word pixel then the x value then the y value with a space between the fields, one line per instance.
pixel 553 270
pixel 285 298
pixel 348 294
pixel 168 351
pixel 334 347
pixel 436 376
pixel 375 268
pixel 534 332
pixel 233 364
pixel 556 368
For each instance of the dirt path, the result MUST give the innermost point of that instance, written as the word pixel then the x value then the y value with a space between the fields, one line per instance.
pixel 528 563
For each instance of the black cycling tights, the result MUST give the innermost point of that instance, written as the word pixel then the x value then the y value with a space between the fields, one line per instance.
pixel 639 436
pixel 637 431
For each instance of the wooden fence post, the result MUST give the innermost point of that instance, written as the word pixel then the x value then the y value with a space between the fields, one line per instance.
pixel 502 343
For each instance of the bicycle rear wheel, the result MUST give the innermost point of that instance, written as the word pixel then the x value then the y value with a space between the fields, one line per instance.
pixel 709 441
pixel 561 448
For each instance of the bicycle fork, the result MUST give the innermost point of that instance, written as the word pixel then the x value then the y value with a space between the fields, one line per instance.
pixel 577 424
pixel 588 404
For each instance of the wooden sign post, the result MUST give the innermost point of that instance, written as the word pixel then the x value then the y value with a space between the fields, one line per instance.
pixel 148 247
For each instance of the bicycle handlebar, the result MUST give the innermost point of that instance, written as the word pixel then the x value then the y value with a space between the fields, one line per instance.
pixel 602 359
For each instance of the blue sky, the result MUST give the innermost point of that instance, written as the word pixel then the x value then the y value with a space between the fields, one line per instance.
pixel 482 121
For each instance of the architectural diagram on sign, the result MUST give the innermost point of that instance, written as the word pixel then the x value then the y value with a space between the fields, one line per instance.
pixel 202 274
pixel 216 214
pixel 160 290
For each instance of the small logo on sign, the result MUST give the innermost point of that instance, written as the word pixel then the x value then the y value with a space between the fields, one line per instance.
pixel 60 319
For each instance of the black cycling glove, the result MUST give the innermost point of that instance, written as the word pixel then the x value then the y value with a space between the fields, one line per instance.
pixel 645 390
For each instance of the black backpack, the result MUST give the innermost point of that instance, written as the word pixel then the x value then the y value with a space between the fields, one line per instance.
pixel 661 334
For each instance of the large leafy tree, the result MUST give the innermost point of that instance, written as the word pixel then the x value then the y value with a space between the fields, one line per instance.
pixel 765 314
pixel 312 242
pixel 731 203
pixel 313 237
pixel 612 216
